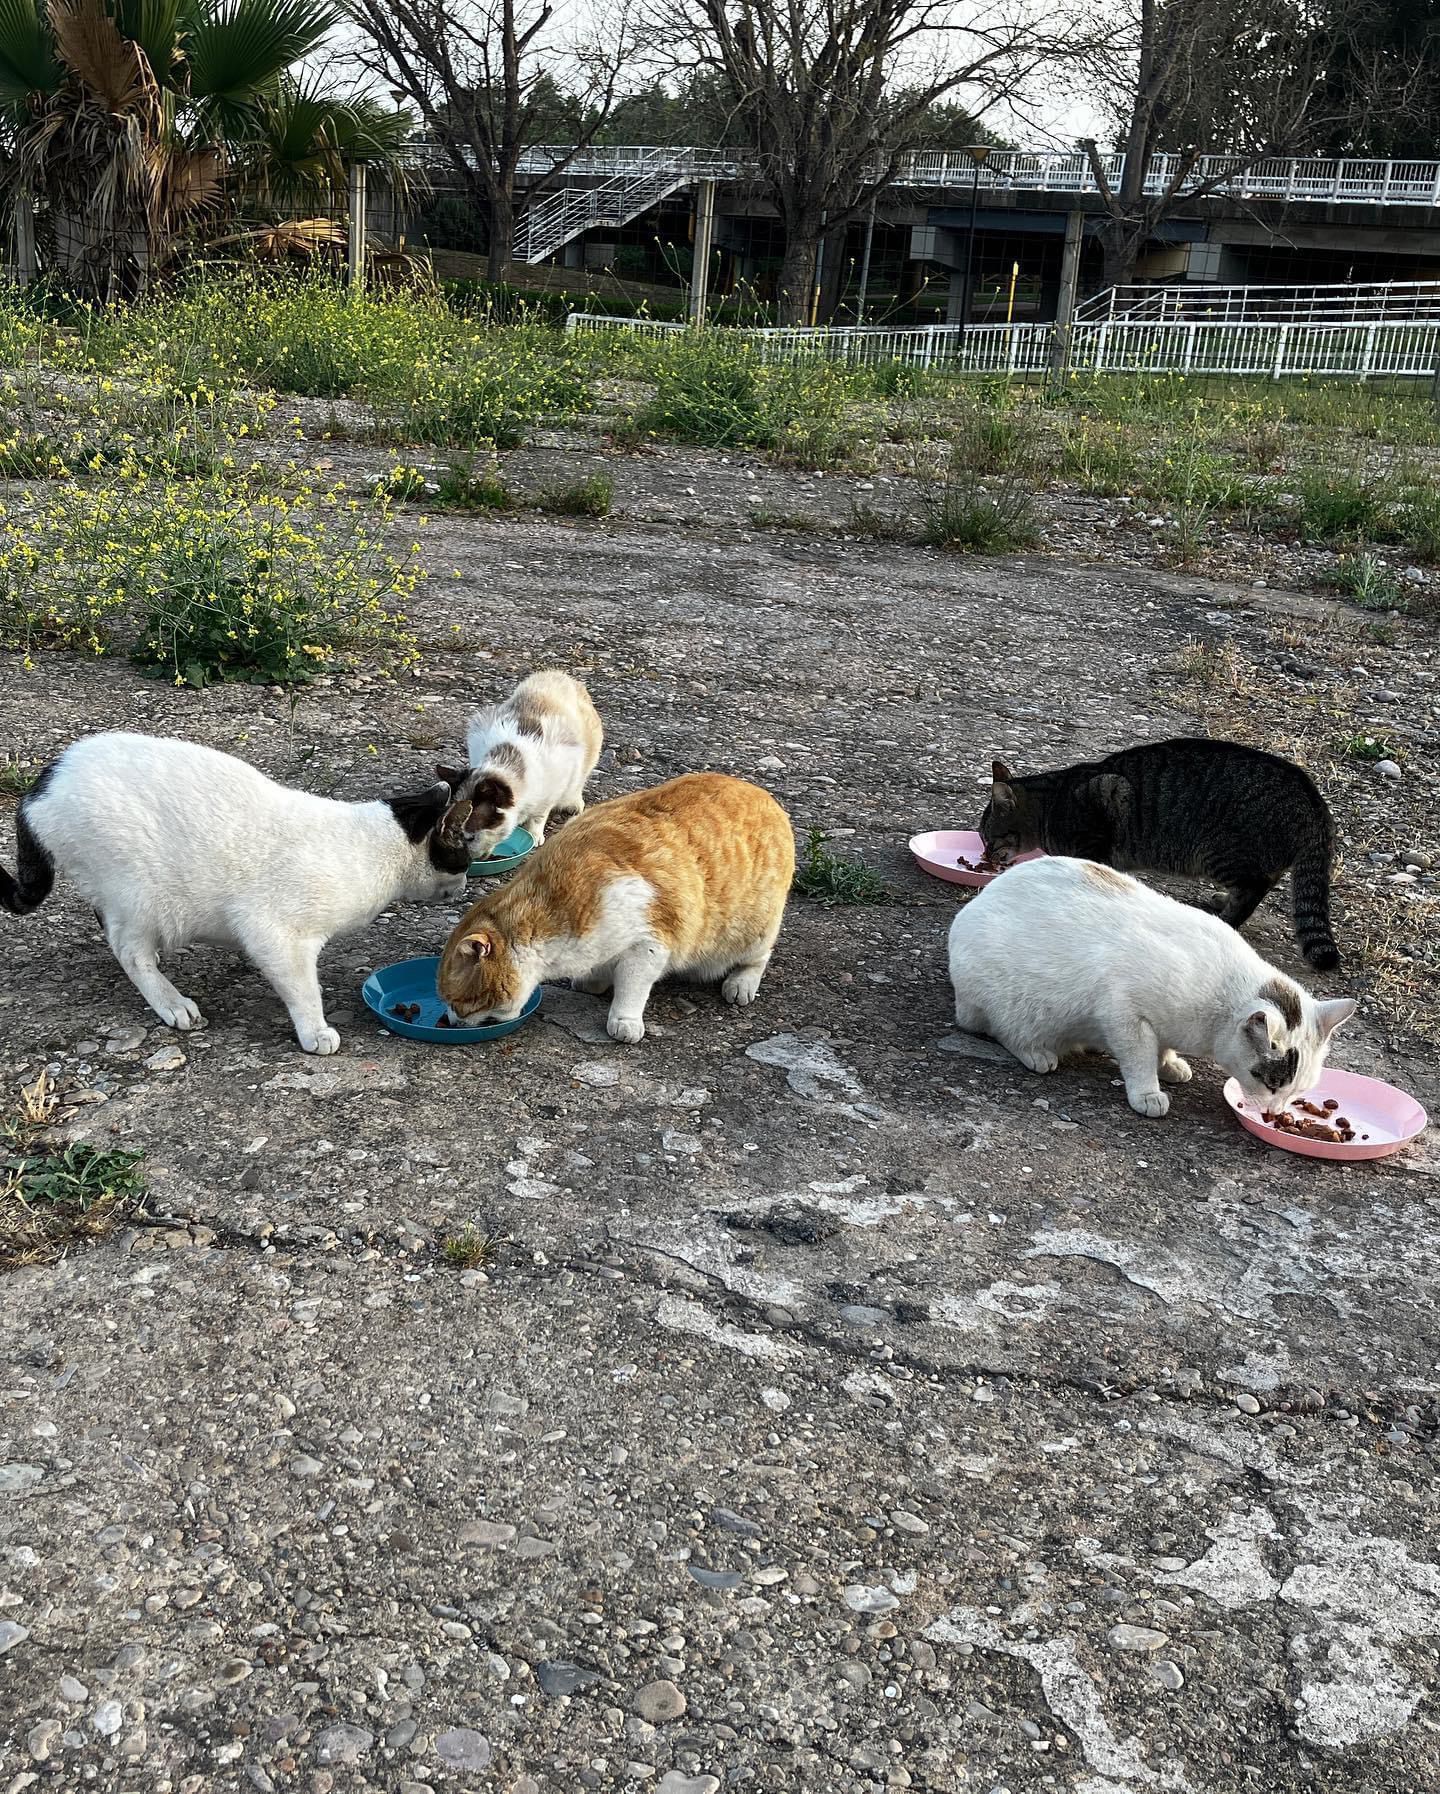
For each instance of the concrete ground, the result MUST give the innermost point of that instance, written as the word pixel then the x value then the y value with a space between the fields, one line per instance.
pixel 842 1407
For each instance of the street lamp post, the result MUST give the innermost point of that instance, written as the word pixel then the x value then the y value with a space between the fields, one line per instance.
pixel 979 154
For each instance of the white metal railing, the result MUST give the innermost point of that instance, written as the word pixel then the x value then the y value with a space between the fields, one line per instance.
pixel 560 217
pixel 1269 350
pixel 1314 180
pixel 1398 300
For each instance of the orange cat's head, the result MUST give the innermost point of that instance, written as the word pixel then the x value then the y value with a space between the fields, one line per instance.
pixel 479 975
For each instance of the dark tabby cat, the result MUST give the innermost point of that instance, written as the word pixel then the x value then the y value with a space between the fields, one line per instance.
pixel 1214 809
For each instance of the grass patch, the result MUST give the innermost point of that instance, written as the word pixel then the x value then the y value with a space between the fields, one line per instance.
pixel 1214 666
pixel 811 523
pixel 16 777
pixel 1365 748
pixel 589 497
pixel 829 880
pixel 470 489
pixel 1367 582
pixel 1343 507
pixel 956 516
pixel 51 1194
pixel 881 525
pixel 472 1249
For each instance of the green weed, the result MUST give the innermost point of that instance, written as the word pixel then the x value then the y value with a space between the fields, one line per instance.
pixel 832 881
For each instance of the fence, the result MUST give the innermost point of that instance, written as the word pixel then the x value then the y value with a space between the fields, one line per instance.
pixel 1272 351
pixel 1354 180
pixel 1396 300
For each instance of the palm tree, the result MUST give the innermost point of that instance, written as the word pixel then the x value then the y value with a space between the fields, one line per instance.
pixel 128 118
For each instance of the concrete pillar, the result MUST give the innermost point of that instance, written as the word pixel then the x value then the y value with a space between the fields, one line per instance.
pixel 26 267
pixel 356 258
pixel 700 260
pixel 956 295
pixel 1069 284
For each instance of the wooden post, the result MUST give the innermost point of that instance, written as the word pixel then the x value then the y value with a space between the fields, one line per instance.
pixel 356 262
pixel 26 268
pixel 700 255
pixel 1069 284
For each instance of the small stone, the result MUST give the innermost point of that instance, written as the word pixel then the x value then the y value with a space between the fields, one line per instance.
pixel 775 1400
pixel 1416 860
pixel 11 1634
pixel 236 1670
pixel 685 1144
pixel 107 1718
pixel 487 1533
pixel 124 1040
pixel 674 1782
pixel 305 1467
pixel 659 1702
pixel 714 1578
pixel 905 1521
pixel 41 1739
pixel 1168 1675
pixel 72 1691
pixel 344 1744
pixel 1247 1404
pixel 862 1598
pixel 1135 1638
pixel 771 1575
pixel 1387 769
pixel 169 1058
pixel 463 1749
pixel 600 1077
pixel 557 1679
pixel 770 764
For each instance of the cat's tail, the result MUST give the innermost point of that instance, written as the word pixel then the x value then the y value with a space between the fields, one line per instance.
pixel 1310 894
pixel 35 869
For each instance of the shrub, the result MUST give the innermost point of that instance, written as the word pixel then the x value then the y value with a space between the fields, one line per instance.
pixel 966 517
pixel 1367 582
pixel 483 490
pixel 577 498
pixel 218 579
pixel 487 393
pixel 717 391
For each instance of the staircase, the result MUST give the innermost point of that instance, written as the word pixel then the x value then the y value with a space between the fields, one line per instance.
pixel 560 217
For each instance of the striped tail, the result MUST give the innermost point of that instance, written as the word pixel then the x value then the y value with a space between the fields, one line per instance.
pixel 35 870
pixel 1310 893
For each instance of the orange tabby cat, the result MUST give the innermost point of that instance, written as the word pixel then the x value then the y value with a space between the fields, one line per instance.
pixel 690 877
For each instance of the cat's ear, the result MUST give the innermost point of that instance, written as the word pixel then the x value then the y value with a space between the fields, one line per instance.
pixel 480 945
pixel 454 776
pixel 451 825
pixel 1257 1030
pixel 1000 791
pixel 418 812
pixel 1331 1012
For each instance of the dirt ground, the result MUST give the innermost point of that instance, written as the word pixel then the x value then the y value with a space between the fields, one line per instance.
pixel 842 1408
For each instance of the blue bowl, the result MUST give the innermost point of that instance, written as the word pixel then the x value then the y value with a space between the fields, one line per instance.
pixel 413 981
pixel 518 845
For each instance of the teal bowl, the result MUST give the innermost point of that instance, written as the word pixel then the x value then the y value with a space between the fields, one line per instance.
pixel 518 845
pixel 413 981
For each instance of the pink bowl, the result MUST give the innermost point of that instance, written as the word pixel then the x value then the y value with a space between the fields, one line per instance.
pixel 939 851
pixel 1389 1116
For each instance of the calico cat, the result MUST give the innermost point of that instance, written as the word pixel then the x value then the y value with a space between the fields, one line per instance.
pixel 529 757
pixel 687 877
pixel 1062 954
pixel 174 843
pixel 1214 809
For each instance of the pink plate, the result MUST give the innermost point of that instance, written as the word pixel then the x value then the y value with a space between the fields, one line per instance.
pixel 939 852
pixel 1390 1117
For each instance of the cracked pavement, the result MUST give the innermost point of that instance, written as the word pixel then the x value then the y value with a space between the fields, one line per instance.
pixel 843 1408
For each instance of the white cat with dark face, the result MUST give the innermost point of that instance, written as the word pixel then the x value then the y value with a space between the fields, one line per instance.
pixel 174 843
pixel 530 757
pixel 1060 955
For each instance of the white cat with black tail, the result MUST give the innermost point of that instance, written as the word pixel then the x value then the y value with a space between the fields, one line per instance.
pixel 174 843
pixel 1063 955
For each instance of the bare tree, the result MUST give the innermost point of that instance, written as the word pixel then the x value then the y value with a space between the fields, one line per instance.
pixel 817 85
pixel 479 72
pixel 1239 79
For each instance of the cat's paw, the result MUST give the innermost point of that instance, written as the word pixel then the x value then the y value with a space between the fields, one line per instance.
pixel 1153 1103
pixel 322 1041
pixel 1039 1059
pixel 628 1028
pixel 740 987
pixel 1175 1070
pixel 183 1015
